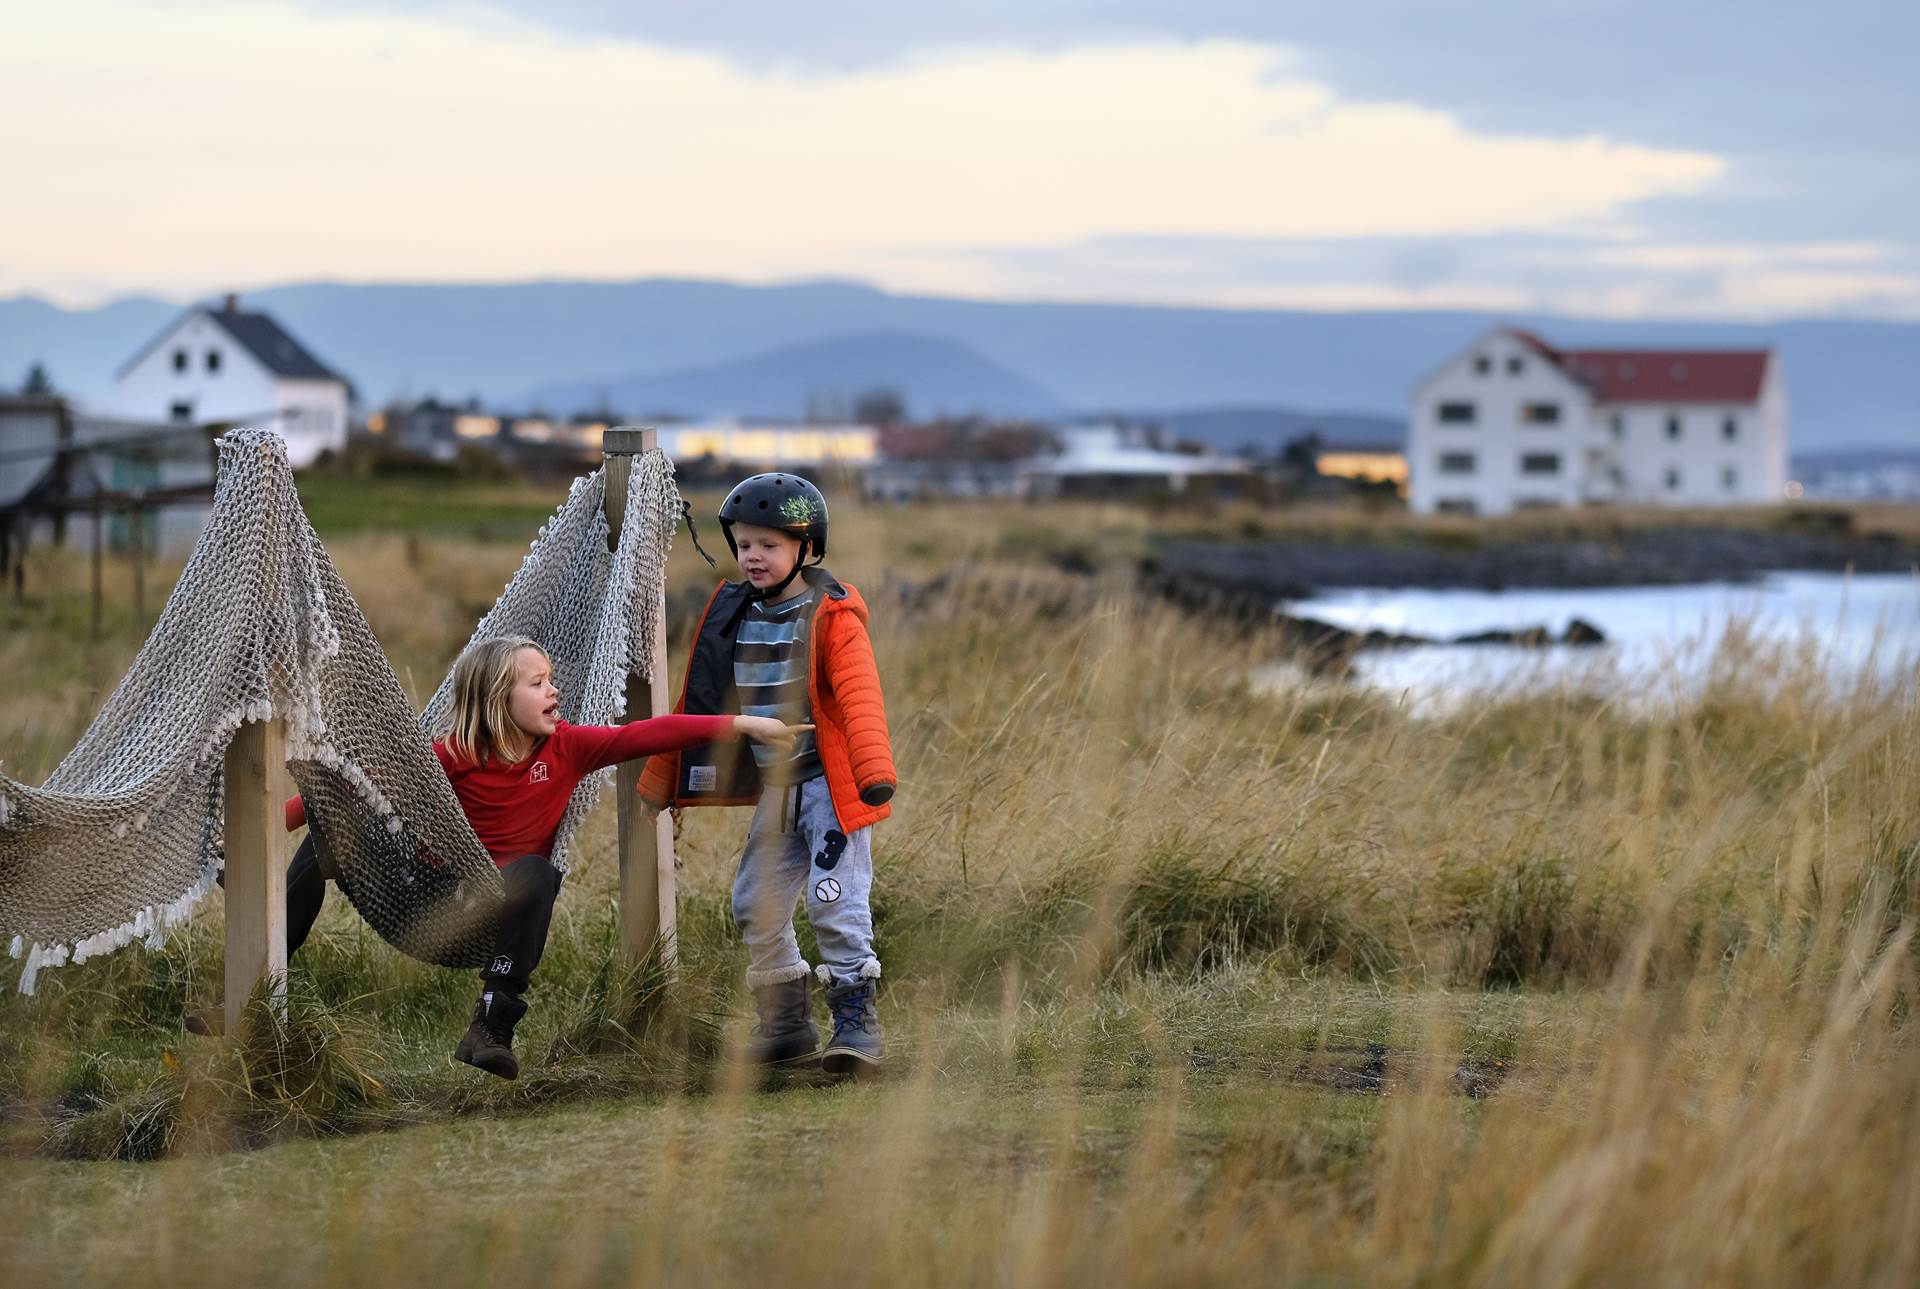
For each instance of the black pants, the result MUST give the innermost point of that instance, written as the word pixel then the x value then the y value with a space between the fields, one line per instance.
pixel 532 883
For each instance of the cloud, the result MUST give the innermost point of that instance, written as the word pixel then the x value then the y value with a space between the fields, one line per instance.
pixel 209 144
pixel 1608 272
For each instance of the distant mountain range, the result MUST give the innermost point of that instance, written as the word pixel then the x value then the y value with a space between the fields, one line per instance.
pixel 937 377
pixel 665 345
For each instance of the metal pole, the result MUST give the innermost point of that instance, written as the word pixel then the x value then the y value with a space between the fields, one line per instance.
pixel 136 540
pixel 99 525
pixel 647 901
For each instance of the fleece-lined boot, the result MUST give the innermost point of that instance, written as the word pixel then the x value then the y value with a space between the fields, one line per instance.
pixel 488 1042
pixel 783 1032
pixel 856 1046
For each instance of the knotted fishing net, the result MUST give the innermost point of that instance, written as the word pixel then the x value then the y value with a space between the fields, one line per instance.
pixel 124 838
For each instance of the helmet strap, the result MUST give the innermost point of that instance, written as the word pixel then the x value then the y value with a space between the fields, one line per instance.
pixel 779 588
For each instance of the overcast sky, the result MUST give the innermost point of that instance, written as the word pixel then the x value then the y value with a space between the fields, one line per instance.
pixel 1687 158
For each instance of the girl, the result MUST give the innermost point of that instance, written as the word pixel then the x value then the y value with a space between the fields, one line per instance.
pixel 514 765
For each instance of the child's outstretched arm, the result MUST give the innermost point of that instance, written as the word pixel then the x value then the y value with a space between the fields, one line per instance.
pixel 594 747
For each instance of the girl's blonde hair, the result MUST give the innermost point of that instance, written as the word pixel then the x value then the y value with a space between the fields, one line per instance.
pixel 480 725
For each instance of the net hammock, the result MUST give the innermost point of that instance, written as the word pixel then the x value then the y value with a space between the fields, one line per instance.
pixel 124 838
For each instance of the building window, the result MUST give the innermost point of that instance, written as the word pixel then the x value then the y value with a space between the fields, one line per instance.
pixel 1730 429
pixel 1482 365
pixel 1515 366
pixel 1456 413
pixel 213 362
pixel 1673 481
pixel 179 360
pixel 181 411
pixel 1457 506
pixel 1456 463
pixel 1540 413
pixel 1673 426
pixel 1618 476
pixel 1730 479
pixel 1540 463
pixel 1537 503
pixel 1617 426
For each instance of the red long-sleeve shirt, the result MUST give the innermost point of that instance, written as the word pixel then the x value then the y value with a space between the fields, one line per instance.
pixel 516 809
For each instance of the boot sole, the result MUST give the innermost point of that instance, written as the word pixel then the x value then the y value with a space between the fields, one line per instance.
pixel 789 1062
pixel 845 1060
pixel 508 1072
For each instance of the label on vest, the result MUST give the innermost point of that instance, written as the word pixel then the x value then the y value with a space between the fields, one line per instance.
pixel 702 778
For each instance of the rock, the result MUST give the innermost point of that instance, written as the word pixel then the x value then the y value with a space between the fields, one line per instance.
pixel 1582 633
pixel 1525 637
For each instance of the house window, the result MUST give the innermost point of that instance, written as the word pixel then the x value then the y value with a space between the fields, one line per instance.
pixel 1457 506
pixel 1540 463
pixel 1730 429
pixel 179 360
pixel 181 411
pixel 1673 426
pixel 1618 476
pixel 1730 479
pixel 1456 413
pixel 213 362
pixel 1673 481
pixel 1617 425
pixel 1515 366
pixel 1456 463
pixel 1537 503
pixel 1482 365
pixel 1540 413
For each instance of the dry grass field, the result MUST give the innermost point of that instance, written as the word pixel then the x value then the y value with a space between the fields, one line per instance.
pixel 1189 981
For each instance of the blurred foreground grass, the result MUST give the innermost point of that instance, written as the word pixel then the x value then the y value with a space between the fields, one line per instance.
pixel 1190 981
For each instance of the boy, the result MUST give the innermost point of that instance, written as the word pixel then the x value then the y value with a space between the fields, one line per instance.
pixel 791 642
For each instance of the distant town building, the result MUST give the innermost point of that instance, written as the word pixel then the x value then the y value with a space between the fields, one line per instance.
pixel 54 457
pixel 222 365
pixel 1127 461
pixel 795 446
pixel 1377 463
pixel 1865 475
pixel 955 459
pixel 1511 423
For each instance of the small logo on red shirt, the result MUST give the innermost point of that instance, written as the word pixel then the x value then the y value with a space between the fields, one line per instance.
pixel 538 774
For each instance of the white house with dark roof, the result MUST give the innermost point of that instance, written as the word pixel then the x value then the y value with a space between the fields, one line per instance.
pixel 1512 423
pixel 222 364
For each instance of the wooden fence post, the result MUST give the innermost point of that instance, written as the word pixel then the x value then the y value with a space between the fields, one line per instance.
pixel 647 903
pixel 256 878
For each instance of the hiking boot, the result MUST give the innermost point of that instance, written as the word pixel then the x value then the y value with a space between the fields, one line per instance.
pixel 783 1032
pixel 488 1042
pixel 856 1046
pixel 208 1022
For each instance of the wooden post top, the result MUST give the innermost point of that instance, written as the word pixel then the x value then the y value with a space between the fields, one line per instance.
pixel 624 440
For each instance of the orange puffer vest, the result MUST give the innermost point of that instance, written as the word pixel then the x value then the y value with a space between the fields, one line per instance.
pixel 843 689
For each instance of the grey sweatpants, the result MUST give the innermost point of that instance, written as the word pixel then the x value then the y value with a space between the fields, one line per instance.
pixel 796 847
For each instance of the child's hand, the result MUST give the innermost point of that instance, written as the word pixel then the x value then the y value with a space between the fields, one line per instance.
pixel 776 734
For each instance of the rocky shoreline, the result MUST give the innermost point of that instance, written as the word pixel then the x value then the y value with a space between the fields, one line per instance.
pixel 1273 570
pixel 1250 579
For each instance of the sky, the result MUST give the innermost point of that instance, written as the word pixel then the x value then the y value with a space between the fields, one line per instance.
pixel 1620 158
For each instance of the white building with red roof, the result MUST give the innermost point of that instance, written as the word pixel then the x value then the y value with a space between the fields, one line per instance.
pixel 1512 423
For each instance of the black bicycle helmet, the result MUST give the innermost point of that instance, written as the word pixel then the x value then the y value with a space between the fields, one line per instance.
pixel 783 501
